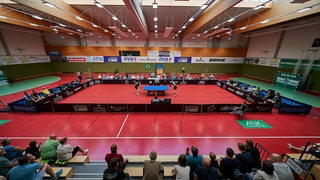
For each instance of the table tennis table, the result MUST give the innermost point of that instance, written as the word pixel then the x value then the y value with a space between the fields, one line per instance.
pixel 156 90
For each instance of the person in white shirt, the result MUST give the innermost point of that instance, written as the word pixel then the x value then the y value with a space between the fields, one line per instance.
pixel 181 171
pixel 99 76
pixel 66 151
pixel 282 169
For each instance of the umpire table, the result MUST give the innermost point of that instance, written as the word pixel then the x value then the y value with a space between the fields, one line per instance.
pixel 156 90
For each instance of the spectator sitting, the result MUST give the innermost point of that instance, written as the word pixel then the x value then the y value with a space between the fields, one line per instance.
pixel 254 153
pixel 194 160
pixel 152 169
pixel 256 92
pixel 228 164
pixel 111 77
pixel 152 75
pixel 181 171
pixel 142 77
pixel 99 76
pixel 34 149
pixel 249 90
pixel 12 152
pixel 282 169
pixel 27 97
pixel 270 94
pixel 155 100
pixel 5 164
pixel 276 100
pixel 229 82
pixel 113 172
pixel 235 84
pixel 245 159
pixel 49 149
pixel 28 169
pixel 35 96
pixel 104 76
pixel 211 77
pixel 66 151
pixel 244 87
pixel 267 172
pixel 114 154
pixel 206 172
pixel 213 161
pixel 46 92
pixel 240 110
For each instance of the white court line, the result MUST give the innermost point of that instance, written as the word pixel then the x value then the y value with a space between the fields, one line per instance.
pixel 172 137
pixel 124 122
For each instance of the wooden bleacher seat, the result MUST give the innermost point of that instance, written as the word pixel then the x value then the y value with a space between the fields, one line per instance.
pixel 67 172
pixel 161 158
pixel 138 171
pixel 297 156
pixel 79 159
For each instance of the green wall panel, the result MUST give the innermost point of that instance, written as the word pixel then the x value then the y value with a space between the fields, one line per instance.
pixel 20 71
pixel 314 84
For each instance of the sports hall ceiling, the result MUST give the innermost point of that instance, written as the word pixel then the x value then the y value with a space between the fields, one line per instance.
pixel 136 17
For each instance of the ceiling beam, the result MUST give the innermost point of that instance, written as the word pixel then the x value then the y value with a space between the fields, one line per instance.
pixel 214 10
pixel 65 12
pixel 281 12
pixel 20 19
pixel 137 15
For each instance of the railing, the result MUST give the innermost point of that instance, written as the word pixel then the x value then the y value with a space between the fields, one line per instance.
pixel 310 155
pixel 264 153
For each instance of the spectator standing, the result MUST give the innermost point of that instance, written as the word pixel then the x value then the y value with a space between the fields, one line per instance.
pixel 254 153
pixel 245 159
pixel 194 161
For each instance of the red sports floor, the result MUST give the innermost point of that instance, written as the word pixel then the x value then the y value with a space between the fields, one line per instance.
pixel 167 133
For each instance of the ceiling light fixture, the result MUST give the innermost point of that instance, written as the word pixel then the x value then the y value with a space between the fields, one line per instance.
pixel 129 30
pixel 265 21
pixel 136 36
pixel 183 27
pixel 231 19
pixel 32 24
pixel 37 17
pixel 123 25
pixel 205 31
pixel 156 26
pixel 204 6
pixel 114 18
pixel 70 33
pixel 62 25
pixel 258 7
pixel 304 9
pixel 216 27
pixel 198 35
pixel 79 30
pixel 155 19
pixel 79 18
pixel 156 31
pixel 105 30
pixel 179 31
pixel 244 27
pixel 3 17
pixel 62 37
pixel 98 4
pixel 48 4
pixel 154 4
pixel 191 19
pixel 94 25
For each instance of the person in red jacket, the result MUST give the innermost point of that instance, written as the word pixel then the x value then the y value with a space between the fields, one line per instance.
pixel 114 154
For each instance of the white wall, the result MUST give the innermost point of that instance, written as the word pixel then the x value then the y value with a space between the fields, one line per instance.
pixel 267 42
pixel 21 41
pixel 56 40
pixel 232 42
pixel 297 40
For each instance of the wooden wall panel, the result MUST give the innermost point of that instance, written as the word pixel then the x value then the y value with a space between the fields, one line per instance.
pixel 114 51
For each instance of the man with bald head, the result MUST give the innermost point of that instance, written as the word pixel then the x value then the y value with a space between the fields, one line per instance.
pixel 114 154
pixel 49 149
pixel 282 169
pixel 206 172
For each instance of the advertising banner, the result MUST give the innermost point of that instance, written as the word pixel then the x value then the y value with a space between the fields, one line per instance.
pixel 218 60
pixel 164 53
pixel 269 62
pixel 75 58
pixel 288 80
pixel 143 59
pixel 94 59
pixel 114 59
pixel 182 59
pixel 10 60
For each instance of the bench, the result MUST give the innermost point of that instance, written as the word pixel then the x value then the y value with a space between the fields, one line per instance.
pixel 161 158
pixel 138 171
pixel 67 172
pixel 75 159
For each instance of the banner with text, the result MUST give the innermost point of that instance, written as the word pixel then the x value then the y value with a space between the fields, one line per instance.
pixel 291 63
pixel 216 60
pixel 10 60
pixel 114 59
pixel 94 59
pixel 143 59
pixel 269 62
pixel 75 58
pixel 182 59
pixel 164 53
